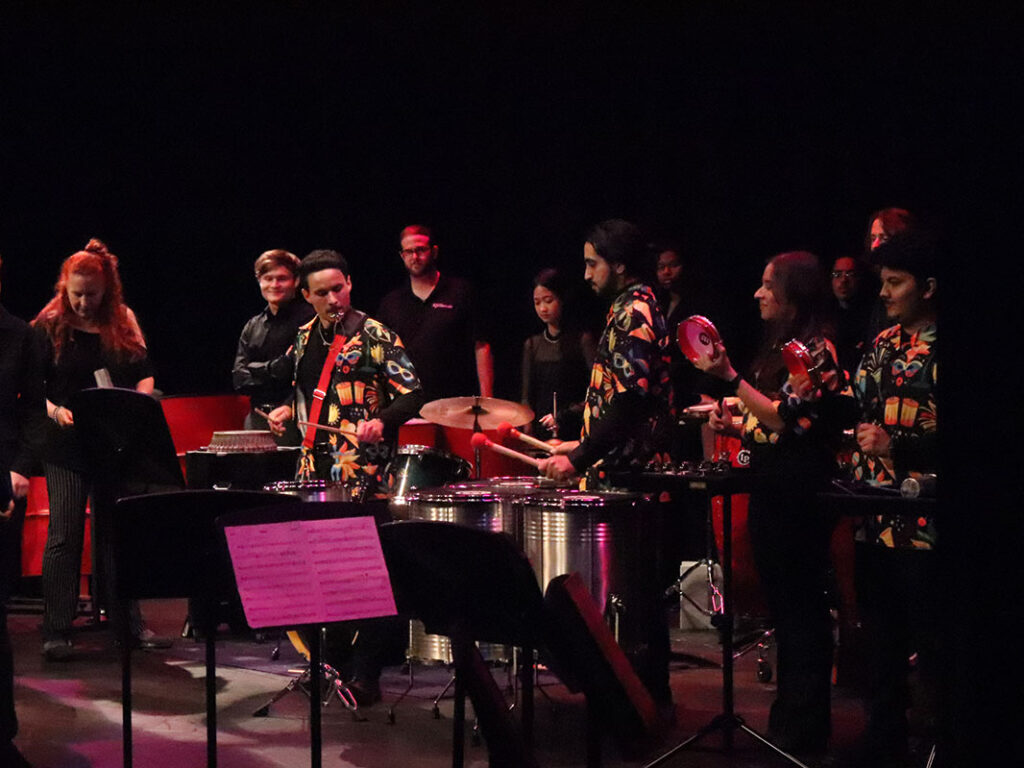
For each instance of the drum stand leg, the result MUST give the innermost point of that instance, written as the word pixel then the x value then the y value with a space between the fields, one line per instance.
pixel 333 686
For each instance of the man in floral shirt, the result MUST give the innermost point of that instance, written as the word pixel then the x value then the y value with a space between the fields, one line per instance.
pixel 896 387
pixel 627 412
pixel 628 406
pixel 372 389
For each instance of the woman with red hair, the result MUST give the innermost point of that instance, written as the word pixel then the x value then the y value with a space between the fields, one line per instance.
pixel 92 339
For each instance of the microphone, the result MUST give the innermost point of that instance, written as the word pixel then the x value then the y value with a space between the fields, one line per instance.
pixel 480 440
pixel 505 429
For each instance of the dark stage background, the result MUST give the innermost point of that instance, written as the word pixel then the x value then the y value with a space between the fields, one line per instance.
pixel 190 141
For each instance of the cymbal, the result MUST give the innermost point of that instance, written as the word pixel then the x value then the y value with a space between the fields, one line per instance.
pixel 488 412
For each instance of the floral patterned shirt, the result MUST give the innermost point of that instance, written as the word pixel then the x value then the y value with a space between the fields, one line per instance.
pixel 808 442
pixel 371 370
pixel 895 386
pixel 632 356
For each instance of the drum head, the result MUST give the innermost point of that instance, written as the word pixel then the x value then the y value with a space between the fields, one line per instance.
pixel 696 336
pixel 798 359
pixel 311 490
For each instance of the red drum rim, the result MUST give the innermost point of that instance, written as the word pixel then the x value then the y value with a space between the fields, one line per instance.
pixel 697 334
pixel 798 358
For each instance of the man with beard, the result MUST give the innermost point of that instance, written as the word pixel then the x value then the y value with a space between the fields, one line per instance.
pixel 627 415
pixel 439 320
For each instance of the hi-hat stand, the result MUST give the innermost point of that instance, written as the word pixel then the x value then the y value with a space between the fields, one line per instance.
pixel 322 676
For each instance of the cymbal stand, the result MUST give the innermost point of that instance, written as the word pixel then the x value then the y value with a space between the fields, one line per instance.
pixel 727 721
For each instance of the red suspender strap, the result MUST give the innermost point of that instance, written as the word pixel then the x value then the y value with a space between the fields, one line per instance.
pixel 321 388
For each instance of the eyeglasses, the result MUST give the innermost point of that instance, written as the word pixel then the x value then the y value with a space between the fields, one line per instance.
pixel 419 250
pixel 839 273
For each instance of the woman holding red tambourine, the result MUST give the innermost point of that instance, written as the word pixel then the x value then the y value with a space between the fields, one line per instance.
pixel 792 420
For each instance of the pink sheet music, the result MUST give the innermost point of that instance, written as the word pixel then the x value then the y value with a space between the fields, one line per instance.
pixel 310 571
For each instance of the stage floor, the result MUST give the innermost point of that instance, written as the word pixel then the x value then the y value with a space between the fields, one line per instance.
pixel 70 713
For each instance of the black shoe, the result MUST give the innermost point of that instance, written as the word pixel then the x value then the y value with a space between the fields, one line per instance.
pixel 10 757
pixel 800 744
pixel 148 640
pixel 366 691
pixel 872 754
pixel 58 649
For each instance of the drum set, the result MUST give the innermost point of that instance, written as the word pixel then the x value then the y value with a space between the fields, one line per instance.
pixel 453 466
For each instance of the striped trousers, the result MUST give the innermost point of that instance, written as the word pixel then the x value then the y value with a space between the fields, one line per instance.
pixel 62 558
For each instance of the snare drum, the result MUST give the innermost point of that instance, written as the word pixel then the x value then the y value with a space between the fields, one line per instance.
pixel 609 538
pixel 420 466
pixel 312 490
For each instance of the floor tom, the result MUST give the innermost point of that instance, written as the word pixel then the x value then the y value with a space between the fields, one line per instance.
pixel 609 538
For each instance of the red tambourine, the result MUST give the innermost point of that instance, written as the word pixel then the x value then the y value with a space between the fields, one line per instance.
pixel 799 360
pixel 697 335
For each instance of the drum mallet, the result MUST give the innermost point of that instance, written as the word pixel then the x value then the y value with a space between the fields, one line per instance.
pixel 480 440
pixel 505 429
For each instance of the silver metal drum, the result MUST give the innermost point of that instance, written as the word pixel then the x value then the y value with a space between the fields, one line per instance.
pixel 474 508
pixel 514 485
pixel 429 649
pixel 312 490
pixel 609 538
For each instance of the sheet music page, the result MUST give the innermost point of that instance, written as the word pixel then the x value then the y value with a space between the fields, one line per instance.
pixel 310 571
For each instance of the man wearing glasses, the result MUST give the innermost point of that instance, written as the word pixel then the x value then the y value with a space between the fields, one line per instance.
pixel 854 289
pixel 438 320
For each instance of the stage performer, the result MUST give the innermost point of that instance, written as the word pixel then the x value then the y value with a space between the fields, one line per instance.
pixel 628 404
pixel 90 338
pixel 21 408
pixel 791 430
pixel 371 387
pixel 353 374
pixel 899 583
pixel 627 410
pixel 262 371
pixel 556 362
pixel 440 320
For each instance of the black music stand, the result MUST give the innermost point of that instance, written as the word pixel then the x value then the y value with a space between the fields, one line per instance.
pixel 166 545
pixel 724 484
pixel 586 657
pixel 306 512
pixel 472 585
pixel 130 452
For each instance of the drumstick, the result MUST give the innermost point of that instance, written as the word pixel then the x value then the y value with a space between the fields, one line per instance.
pixel 326 428
pixel 505 429
pixel 480 440
pixel 258 412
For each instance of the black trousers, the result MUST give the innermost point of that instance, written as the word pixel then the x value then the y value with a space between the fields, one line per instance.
pixel 68 491
pixel 899 598
pixel 789 535
pixel 10 561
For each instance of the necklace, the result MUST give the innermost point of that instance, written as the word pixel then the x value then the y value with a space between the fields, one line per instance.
pixel 320 328
pixel 551 339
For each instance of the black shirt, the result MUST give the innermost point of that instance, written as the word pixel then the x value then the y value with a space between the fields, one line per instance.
pixel 260 369
pixel 440 334
pixel 22 407
pixel 82 356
